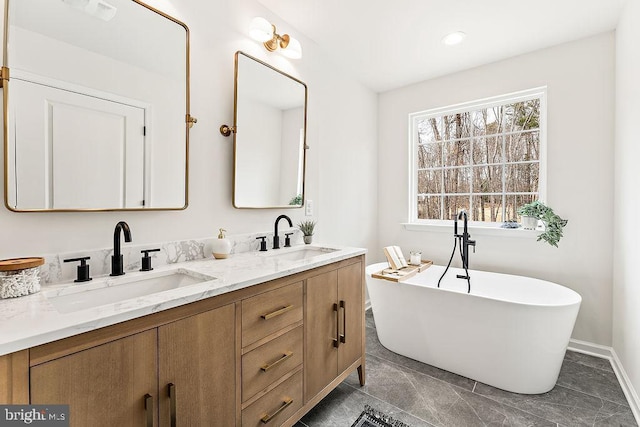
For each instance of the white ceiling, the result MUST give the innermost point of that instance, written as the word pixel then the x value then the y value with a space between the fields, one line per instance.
pixel 389 44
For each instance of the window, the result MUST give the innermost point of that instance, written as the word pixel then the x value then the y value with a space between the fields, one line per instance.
pixel 485 157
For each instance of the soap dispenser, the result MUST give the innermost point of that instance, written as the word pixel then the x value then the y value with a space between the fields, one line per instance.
pixel 221 246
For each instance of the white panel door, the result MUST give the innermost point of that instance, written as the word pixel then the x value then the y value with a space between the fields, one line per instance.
pixel 83 152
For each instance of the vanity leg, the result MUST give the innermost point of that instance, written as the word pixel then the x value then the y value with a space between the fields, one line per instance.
pixel 361 374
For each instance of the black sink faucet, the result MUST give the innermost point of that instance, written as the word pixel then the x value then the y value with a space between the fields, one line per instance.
pixel 276 239
pixel 117 263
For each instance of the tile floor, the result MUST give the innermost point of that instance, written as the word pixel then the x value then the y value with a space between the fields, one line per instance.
pixel 587 394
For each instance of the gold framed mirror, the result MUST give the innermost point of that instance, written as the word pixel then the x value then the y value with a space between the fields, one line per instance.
pixel 270 122
pixel 96 106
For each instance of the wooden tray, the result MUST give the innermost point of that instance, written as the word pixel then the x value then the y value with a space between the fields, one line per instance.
pixel 403 273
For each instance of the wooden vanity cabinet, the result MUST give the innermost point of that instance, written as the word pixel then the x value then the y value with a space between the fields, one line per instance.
pixel 182 372
pixel 197 369
pixel 262 355
pixel 14 378
pixel 107 385
pixel 334 328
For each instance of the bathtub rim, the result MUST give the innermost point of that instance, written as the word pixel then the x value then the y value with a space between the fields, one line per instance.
pixel 369 270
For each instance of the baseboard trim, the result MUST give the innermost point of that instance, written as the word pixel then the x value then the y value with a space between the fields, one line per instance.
pixel 610 354
pixel 591 349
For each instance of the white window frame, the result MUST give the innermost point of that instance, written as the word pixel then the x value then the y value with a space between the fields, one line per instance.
pixel 414 223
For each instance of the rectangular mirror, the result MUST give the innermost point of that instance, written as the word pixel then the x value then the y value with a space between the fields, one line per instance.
pixel 270 136
pixel 96 96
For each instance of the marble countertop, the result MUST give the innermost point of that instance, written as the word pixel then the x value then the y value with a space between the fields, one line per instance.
pixel 32 320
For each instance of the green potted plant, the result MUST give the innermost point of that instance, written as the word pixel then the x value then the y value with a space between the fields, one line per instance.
pixel 553 224
pixel 307 230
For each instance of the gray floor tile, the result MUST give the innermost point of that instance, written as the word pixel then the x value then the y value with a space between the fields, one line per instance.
pixel 343 405
pixel 368 319
pixel 561 405
pixel 436 401
pixel 593 381
pixel 375 348
pixel 615 415
pixel 587 360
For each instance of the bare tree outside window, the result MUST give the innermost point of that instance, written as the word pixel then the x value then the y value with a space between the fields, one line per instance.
pixel 485 160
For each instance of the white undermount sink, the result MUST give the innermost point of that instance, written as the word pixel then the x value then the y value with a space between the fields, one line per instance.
pixel 110 290
pixel 299 253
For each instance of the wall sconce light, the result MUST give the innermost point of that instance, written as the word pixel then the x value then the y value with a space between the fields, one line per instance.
pixel 263 31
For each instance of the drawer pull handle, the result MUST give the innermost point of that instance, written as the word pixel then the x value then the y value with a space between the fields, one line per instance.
pixel 343 337
pixel 172 404
pixel 273 314
pixel 336 342
pixel 282 407
pixel 284 357
pixel 148 408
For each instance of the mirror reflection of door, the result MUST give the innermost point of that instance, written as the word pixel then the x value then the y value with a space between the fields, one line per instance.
pixel 89 155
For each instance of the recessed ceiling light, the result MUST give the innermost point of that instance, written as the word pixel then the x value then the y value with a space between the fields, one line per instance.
pixel 454 38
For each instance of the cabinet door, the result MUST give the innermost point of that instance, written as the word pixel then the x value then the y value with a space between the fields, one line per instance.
pixel 197 356
pixel 321 329
pixel 104 385
pixel 351 315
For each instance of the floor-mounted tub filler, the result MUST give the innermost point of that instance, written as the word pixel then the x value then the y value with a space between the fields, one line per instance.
pixel 510 332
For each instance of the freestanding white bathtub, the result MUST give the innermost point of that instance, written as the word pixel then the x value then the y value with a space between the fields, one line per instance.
pixel 510 332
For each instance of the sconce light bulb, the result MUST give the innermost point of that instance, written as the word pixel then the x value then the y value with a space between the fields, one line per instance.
pixel 293 49
pixel 260 29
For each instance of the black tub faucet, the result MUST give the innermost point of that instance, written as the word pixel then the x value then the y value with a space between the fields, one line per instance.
pixel 117 262
pixel 276 239
pixel 465 240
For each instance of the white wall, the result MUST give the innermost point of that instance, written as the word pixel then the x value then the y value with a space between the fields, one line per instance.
pixel 341 114
pixel 580 81
pixel 626 289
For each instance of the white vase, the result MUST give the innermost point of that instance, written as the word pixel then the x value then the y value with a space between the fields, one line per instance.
pixel 529 222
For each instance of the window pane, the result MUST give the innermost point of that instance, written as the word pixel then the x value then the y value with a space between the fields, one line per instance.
pixel 429 155
pixel 487 150
pixel 429 207
pixel 454 204
pixel 430 182
pixel 427 131
pixel 457 126
pixel 514 201
pixel 487 208
pixel 492 120
pixel 522 147
pixel 457 153
pixel 487 179
pixel 523 115
pixel 522 177
pixel 457 180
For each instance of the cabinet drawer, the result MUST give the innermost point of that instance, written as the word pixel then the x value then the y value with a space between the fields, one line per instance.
pixel 271 311
pixel 270 361
pixel 275 407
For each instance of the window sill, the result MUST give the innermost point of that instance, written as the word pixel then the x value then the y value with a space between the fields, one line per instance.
pixel 474 230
